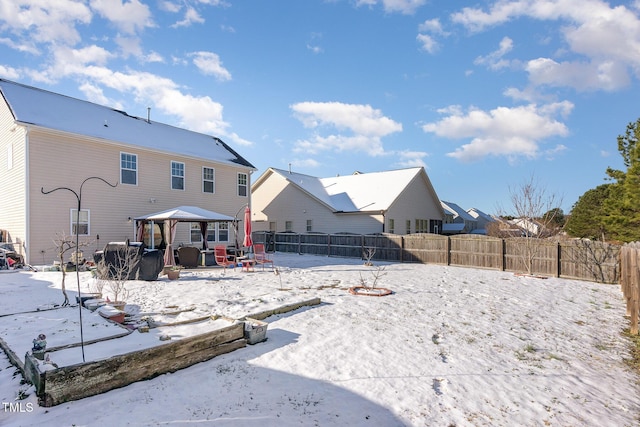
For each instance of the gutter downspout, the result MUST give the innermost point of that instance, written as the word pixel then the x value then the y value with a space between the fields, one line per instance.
pixel 27 205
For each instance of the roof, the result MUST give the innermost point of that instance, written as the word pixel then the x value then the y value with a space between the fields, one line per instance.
pixel 360 192
pixel 186 213
pixel 38 107
pixel 457 211
pixel 477 213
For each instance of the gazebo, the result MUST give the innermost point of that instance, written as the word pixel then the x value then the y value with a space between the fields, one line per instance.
pixel 170 219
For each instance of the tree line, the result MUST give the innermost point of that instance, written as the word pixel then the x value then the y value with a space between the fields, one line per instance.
pixel 611 211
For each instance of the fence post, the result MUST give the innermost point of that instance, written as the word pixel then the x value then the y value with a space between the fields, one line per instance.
pixel 448 249
pixel 635 283
pixel 503 257
pixel 558 260
pixel 328 244
pixel 402 248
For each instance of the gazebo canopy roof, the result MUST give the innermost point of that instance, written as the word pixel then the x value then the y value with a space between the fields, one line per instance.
pixel 186 214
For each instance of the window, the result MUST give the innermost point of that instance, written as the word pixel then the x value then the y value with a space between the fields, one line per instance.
pixel 208 180
pixel 177 176
pixel 309 225
pixel 408 226
pixel 196 234
pixel 223 231
pixel 392 226
pixel 242 184
pixel 422 225
pixel 211 232
pixel 288 226
pixel 435 226
pixel 272 226
pixel 82 225
pixel 128 168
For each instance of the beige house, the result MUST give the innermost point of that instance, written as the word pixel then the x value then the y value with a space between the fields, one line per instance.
pixel 50 141
pixel 398 201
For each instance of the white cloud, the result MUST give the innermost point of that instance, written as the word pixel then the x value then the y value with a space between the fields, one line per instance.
pixel 406 7
pixel 606 75
pixel 191 16
pixel 169 6
pixel 34 21
pixel 20 45
pixel 129 46
pixel 306 163
pixel 495 59
pixel 96 95
pixel 153 57
pixel 209 63
pixel 410 159
pixel 360 119
pixel 427 43
pixel 315 49
pixel 129 17
pixel 9 73
pixel 366 127
pixel 605 38
pixel 510 132
pixel 431 26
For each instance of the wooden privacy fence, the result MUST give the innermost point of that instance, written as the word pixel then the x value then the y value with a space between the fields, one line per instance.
pixel 630 281
pixel 575 259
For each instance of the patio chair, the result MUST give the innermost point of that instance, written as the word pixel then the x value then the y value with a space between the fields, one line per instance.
pixel 188 256
pixel 261 256
pixel 223 259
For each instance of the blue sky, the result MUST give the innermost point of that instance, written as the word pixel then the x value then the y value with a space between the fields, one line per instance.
pixel 484 95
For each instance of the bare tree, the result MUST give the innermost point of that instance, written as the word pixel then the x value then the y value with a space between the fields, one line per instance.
pixel 368 255
pixel 63 245
pixel 114 273
pixel 535 211
pixel 595 256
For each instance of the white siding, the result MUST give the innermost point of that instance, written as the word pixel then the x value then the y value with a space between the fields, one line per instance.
pixel 13 202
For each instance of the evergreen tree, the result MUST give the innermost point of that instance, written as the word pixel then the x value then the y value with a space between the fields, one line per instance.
pixel 586 219
pixel 622 207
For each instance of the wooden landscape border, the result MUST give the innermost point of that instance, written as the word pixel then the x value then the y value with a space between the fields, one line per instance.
pixel 56 386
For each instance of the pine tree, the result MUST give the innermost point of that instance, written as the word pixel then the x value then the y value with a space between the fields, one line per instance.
pixel 622 207
pixel 586 219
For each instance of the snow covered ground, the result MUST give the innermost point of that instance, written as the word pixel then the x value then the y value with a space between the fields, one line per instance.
pixel 450 347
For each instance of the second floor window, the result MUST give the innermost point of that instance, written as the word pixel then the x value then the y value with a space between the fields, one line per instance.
pixel 177 176
pixel 128 169
pixel 242 184
pixel 208 180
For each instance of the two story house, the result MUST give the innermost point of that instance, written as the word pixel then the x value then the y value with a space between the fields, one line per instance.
pixel 49 141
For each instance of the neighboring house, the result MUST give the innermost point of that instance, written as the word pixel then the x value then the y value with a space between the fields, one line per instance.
pixel 528 227
pixel 48 140
pixel 399 202
pixel 482 219
pixel 457 220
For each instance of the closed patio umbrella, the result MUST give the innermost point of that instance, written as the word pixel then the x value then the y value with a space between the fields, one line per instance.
pixel 248 242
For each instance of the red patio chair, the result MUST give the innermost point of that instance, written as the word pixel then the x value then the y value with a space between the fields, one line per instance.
pixel 223 259
pixel 261 256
